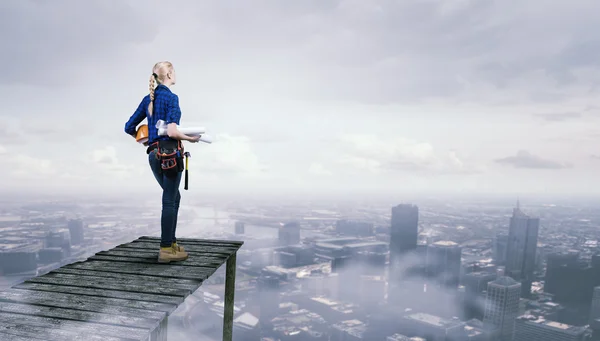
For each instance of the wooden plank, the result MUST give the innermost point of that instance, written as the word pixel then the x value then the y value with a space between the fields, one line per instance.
pixel 196 240
pixel 14 331
pixel 147 279
pixel 160 270
pixel 11 337
pixel 133 281
pixel 75 303
pixel 110 284
pixel 218 258
pixel 175 300
pixel 30 296
pixel 192 261
pixel 191 249
pixel 78 315
pixel 73 326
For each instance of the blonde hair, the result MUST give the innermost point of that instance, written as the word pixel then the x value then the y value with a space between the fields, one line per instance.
pixel 159 72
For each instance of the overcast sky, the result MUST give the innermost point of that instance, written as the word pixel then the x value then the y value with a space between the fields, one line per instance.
pixel 312 95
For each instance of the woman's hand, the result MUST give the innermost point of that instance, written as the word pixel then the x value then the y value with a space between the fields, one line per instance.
pixel 193 139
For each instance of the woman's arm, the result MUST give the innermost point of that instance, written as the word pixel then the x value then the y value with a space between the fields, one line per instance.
pixel 135 119
pixel 173 117
pixel 174 133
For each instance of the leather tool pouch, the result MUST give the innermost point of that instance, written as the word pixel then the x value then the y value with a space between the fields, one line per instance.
pixel 170 154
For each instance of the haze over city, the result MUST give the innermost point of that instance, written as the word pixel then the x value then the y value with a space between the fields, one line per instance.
pixel 381 170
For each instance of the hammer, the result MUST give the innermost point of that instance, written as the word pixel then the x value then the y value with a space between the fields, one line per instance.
pixel 186 154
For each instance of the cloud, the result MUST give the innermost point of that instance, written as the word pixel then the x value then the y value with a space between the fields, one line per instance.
pixel 376 155
pixel 9 135
pixel 59 131
pixel 28 171
pixel 414 50
pixel 559 117
pixel 322 67
pixel 25 167
pixel 405 51
pixel 595 157
pixel 43 36
pixel 318 169
pixel 106 160
pixel 525 159
pixel 227 155
pixel 267 137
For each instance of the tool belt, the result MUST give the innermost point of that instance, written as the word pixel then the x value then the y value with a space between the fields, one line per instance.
pixel 170 153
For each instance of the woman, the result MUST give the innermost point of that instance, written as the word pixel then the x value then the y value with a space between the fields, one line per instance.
pixel 162 104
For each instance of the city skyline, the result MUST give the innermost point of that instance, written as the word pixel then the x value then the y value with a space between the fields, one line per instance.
pixel 406 97
pixel 296 263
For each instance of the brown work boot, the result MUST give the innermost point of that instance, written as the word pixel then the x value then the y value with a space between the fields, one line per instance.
pixel 182 253
pixel 178 247
pixel 168 254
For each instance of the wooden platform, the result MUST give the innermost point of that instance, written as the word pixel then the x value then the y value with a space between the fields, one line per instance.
pixel 116 295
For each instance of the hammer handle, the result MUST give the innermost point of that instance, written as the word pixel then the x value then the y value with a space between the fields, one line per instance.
pixel 186 173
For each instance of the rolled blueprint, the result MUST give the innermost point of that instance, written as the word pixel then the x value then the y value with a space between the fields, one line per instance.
pixel 189 131
pixel 205 139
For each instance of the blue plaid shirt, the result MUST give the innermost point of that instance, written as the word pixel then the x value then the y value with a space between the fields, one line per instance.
pixel 166 108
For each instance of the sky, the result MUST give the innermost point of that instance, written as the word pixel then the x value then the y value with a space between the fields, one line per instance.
pixel 315 96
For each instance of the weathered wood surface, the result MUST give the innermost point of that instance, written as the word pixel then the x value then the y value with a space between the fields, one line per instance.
pixel 122 294
pixel 209 263
pixel 100 293
pixel 74 301
pixel 183 283
pixel 23 332
pixel 9 321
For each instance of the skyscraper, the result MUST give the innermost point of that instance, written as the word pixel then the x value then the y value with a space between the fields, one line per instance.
pixel 443 263
pixel 403 239
pixel 502 306
pixel 342 266
pixel 76 231
pixel 475 284
pixel 289 234
pixel 404 229
pixel 499 248
pixel 268 291
pixel 556 265
pixel 521 249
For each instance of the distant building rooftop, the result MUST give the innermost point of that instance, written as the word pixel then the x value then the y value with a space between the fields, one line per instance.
pixel 505 281
pixel 539 320
pixel 445 243
pixel 325 300
pixel 247 319
pixel 349 243
pixel 433 320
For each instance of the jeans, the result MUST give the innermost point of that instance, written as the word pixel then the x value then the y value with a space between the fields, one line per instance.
pixel 170 201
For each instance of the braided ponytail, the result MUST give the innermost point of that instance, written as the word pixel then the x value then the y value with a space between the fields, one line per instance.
pixel 152 86
pixel 159 72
